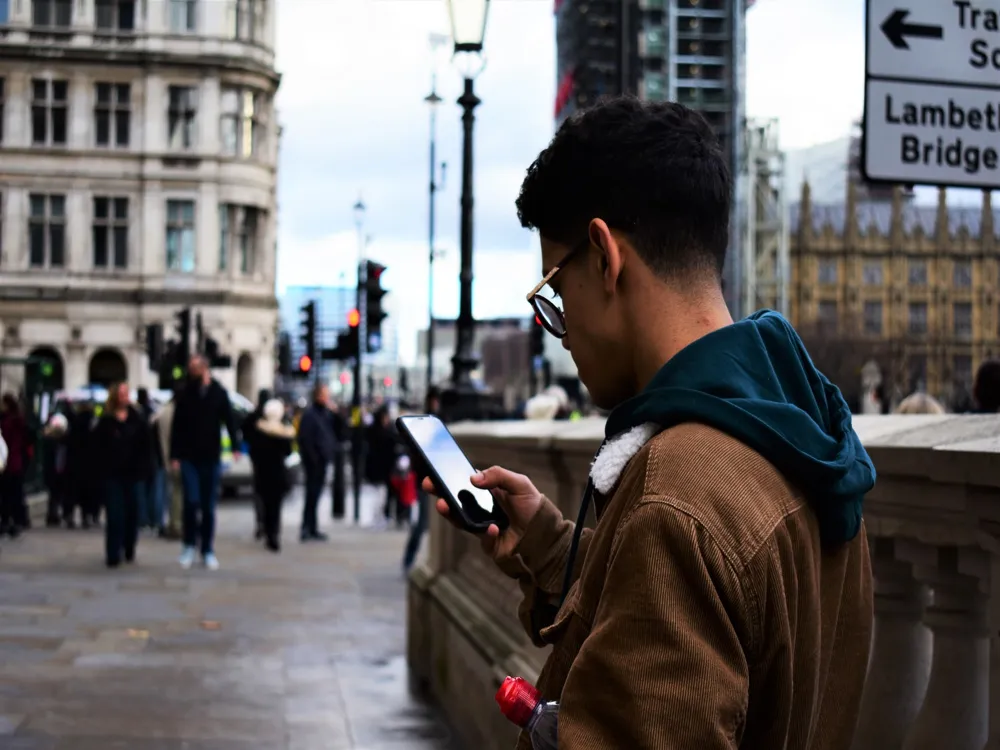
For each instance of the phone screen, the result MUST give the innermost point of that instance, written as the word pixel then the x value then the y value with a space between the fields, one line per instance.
pixel 443 453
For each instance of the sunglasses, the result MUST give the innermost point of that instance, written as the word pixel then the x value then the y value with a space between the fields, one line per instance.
pixel 547 312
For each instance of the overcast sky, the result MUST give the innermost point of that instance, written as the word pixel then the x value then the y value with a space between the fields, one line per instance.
pixel 354 76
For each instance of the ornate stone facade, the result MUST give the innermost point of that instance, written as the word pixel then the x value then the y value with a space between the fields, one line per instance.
pixel 139 149
pixel 917 286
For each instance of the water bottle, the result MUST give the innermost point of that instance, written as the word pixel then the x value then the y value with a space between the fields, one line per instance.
pixel 521 702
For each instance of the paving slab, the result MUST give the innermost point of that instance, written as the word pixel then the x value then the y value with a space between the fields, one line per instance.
pixel 300 650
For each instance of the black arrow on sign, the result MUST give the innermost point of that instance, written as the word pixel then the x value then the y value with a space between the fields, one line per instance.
pixel 896 29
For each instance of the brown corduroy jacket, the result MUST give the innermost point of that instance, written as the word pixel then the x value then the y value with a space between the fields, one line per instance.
pixel 704 614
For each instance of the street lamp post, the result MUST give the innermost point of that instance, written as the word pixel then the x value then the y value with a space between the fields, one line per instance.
pixel 433 100
pixel 468 29
pixel 357 444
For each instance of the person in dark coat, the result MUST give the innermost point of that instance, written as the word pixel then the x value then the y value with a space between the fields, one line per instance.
pixel 151 502
pixel 383 450
pixel 55 466
pixel 249 436
pixel 13 505
pixel 317 446
pixel 272 445
pixel 84 484
pixel 121 441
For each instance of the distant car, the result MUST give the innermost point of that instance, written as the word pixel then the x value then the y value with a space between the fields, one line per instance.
pixel 237 473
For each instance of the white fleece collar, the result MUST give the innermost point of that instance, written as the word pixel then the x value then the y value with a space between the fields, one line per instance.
pixel 613 457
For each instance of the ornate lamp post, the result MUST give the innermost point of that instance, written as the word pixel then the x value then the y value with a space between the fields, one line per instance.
pixel 468 28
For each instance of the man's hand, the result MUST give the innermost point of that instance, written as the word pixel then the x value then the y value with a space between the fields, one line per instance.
pixel 517 496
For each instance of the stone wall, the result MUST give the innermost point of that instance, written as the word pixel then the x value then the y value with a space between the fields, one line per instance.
pixel 933 521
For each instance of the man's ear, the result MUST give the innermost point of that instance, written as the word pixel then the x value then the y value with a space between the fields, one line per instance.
pixel 609 253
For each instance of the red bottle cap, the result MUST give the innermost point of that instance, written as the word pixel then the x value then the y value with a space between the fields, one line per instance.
pixel 517 699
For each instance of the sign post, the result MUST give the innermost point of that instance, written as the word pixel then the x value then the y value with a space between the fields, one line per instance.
pixel 932 93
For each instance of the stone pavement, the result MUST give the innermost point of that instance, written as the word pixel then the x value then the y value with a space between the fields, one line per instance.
pixel 300 650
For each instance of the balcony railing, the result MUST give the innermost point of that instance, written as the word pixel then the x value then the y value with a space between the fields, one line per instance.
pixel 933 522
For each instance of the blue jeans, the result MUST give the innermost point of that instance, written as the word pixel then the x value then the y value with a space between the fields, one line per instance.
pixel 201 491
pixel 121 528
pixel 153 503
pixel 418 529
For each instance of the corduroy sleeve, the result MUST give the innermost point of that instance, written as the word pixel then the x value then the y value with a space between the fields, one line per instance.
pixel 539 566
pixel 663 667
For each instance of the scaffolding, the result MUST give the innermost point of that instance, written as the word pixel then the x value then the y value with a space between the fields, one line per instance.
pixel 764 220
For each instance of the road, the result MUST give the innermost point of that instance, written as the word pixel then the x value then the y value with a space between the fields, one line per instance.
pixel 302 650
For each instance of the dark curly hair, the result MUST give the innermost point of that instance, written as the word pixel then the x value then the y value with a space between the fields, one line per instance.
pixel 986 390
pixel 654 170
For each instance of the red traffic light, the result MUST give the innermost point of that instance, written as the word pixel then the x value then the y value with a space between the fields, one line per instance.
pixel 353 318
pixel 344 378
pixel 305 363
pixel 387 382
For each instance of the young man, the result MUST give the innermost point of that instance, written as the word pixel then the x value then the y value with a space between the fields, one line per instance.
pixel 202 410
pixel 724 599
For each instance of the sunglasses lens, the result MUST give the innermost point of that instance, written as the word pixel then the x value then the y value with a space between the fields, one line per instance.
pixel 550 315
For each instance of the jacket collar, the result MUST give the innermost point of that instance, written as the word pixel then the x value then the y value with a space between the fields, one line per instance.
pixel 614 455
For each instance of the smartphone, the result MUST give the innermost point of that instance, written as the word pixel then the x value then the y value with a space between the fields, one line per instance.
pixel 440 458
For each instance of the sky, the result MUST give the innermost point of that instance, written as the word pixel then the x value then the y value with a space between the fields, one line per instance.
pixel 355 126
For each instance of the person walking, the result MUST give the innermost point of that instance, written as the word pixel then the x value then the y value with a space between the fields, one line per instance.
pixel 85 491
pixel 173 490
pixel 380 461
pixel 13 505
pixel 56 470
pixel 249 436
pixel 151 509
pixel 122 451
pixel 202 410
pixel 317 442
pixel 272 444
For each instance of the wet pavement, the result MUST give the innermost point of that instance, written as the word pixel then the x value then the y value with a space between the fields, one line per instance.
pixel 302 650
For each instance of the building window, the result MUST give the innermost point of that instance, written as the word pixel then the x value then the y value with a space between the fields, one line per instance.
pixel 115 15
pixel 873 318
pixel 47 231
pixel 49 105
pixel 181 116
pixel 4 11
pixel 872 273
pixel 3 109
pixel 225 235
pixel 962 274
pixel 828 315
pixel 918 318
pixel 962 319
pixel 918 272
pixel 182 16
pixel 246 20
pixel 239 233
pixel 242 123
pixel 827 271
pixel 112 114
pixel 918 372
pixel 962 370
pixel 110 232
pixel 52 14
pixel 180 236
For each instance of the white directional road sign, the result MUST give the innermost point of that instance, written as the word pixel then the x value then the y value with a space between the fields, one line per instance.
pixel 932 92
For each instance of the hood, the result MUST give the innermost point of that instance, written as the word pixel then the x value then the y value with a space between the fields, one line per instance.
pixel 755 381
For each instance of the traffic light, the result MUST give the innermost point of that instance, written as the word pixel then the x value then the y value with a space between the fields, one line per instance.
pixel 374 314
pixel 284 355
pixel 305 364
pixel 348 340
pixel 308 325
pixel 183 326
pixel 154 346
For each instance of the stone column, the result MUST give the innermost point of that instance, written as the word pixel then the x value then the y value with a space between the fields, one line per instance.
pixel 900 662
pixel 954 714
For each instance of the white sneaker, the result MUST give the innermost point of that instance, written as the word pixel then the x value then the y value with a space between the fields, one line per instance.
pixel 211 561
pixel 187 558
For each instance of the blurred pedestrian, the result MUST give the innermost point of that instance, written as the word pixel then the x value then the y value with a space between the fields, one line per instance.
pixel 85 491
pixel 56 470
pixel 272 444
pixel 173 491
pixel 13 505
pixel 432 405
pixel 383 448
pixel 317 440
pixel 249 436
pixel 202 410
pixel 919 403
pixel 122 452
pixel 151 509
pixel 986 389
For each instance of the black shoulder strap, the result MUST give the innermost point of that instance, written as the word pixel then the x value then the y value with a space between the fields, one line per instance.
pixel 581 518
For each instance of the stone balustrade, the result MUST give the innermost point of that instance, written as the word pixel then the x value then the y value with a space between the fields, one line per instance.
pixel 933 521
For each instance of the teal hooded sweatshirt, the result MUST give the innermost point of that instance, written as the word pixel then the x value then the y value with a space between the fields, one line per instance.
pixel 755 381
